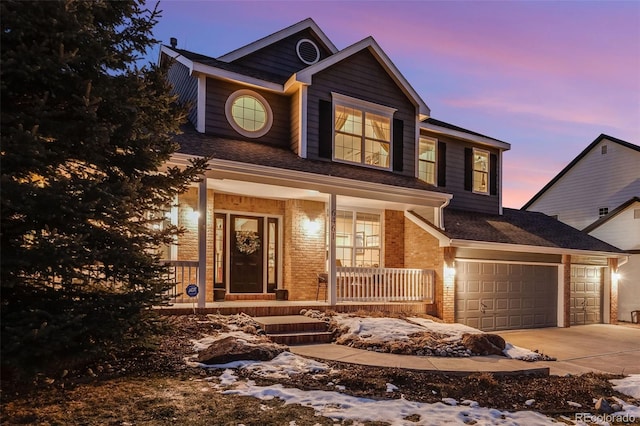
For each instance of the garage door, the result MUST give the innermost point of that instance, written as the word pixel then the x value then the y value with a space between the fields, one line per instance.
pixel 586 295
pixel 498 296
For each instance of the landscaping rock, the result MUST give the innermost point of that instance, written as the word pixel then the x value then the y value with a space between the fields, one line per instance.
pixel 232 349
pixel 603 406
pixel 484 344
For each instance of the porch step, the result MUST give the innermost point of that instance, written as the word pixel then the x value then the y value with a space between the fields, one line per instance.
pixel 295 329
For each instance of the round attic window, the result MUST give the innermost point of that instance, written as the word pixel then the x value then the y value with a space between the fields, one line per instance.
pixel 249 113
pixel 307 51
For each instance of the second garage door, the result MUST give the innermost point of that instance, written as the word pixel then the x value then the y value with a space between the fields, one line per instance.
pixel 586 295
pixel 501 296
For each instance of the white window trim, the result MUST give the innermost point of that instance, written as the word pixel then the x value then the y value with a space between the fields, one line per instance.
pixel 354 212
pixel 435 161
pixel 228 112
pixel 473 169
pixel 364 106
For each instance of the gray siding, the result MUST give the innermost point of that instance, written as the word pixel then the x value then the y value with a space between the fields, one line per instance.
pixel 281 58
pixel 361 76
pixel 216 120
pixel 186 86
pixel 463 199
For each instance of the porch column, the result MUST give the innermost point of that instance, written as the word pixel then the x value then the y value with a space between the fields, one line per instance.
pixel 202 243
pixel 332 295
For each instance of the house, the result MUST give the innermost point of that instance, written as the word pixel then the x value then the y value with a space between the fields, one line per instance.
pixel 326 163
pixel 599 193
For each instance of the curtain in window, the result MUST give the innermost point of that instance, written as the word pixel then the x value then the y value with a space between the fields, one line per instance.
pixel 341 117
pixel 379 128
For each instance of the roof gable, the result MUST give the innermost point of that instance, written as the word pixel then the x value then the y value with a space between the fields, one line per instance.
pixel 575 161
pixel 305 76
pixel 278 36
pixel 598 223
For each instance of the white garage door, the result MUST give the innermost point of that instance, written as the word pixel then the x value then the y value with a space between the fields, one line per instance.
pixel 500 296
pixel 586 295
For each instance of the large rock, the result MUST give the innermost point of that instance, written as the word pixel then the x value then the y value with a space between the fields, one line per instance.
pixel 232 349
pixel 484 344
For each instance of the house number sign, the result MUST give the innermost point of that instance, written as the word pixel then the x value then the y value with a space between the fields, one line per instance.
pixel 192 290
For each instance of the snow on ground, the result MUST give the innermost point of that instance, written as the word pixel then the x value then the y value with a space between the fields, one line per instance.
pixel 629 385
pixel 205 342
pixel 339 406
pixel 388 330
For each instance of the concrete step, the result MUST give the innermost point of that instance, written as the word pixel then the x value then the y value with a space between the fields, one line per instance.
pixel 295 329
pixel 292 339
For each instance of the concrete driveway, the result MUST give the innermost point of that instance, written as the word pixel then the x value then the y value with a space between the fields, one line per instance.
pixel 580 349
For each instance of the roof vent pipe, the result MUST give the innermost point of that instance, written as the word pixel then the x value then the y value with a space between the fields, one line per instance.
pixel 174 42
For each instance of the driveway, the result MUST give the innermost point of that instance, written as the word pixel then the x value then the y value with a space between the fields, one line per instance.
pixel 580 349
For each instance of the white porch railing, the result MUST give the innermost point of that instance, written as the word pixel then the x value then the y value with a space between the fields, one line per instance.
pixel 181 274
pixel 384 284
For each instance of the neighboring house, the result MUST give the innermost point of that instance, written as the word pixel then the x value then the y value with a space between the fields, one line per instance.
pixel 328 161
pixel 599 193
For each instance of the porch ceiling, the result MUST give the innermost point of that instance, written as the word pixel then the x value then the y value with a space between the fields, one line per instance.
pixel 280 192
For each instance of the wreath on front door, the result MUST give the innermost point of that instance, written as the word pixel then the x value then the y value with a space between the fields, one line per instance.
pixel 247 242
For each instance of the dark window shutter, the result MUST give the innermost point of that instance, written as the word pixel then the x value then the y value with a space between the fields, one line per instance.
pixel 442 164
pixel 468 169
pixel 325 129
pixel 493 174
pixel 398 136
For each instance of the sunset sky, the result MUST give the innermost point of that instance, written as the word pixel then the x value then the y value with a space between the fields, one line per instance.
pixel 546 76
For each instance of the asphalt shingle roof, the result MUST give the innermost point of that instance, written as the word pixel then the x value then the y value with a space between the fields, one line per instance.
pixel 230 66
pixel 198 144
pixel 520 227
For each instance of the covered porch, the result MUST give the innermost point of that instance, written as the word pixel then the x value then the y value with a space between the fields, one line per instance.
pixel 254 236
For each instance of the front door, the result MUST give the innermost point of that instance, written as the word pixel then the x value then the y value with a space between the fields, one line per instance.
pixel 247 245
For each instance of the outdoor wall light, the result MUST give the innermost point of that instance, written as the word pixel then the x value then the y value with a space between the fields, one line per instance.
pixel 449 271
pixel 616 276
pixel 193 215
pixel 311 226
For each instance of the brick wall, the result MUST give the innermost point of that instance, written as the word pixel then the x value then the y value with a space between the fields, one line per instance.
pixel 566 286
pixel 393 239
pixel 613 304
pixel 423 251
pixel 304 252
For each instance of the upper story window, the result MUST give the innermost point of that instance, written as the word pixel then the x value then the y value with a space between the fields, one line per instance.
pixel 603 211
pixel 427 160
pixel 362 132
pixel 249 113
pixel 480 171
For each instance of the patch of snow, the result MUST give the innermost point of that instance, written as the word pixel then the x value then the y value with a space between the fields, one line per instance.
pixel 470 403
pixel 286 364
pixel 206 341
pixel 516 352
pixel 454 331
pixel 391 387
pixel 377 329
pixel 450 401
pixel 529 402
pixel 629 385
pixel 574 404
pixel 227 378
pixel 345 407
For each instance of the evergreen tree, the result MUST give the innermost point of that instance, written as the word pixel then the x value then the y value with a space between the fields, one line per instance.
pixel 85 137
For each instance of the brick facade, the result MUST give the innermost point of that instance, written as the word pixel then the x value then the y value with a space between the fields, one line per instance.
pixel 423 251
pixel 393 239
pixel 566 283
pixel 304 251
pixel 613 301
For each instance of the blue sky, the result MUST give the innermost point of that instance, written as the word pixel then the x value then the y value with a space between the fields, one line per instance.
pixel 546 76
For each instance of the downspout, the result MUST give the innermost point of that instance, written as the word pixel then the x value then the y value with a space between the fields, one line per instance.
pixel 441 213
